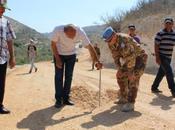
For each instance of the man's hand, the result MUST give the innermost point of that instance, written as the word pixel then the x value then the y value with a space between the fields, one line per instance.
pixel 58 63
pixel 98 65
pixel 156 47
pixel 158 60
pixel 12 63
pixel 56 55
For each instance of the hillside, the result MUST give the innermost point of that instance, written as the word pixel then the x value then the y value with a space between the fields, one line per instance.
pixel 23 34
pixel 95 29
pixel 148 16
pixel 90 31
pixel 30 97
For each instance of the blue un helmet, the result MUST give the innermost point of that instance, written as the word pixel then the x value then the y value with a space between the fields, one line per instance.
pixel 107 34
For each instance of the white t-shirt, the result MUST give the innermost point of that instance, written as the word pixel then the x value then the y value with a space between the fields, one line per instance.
pixel 65 45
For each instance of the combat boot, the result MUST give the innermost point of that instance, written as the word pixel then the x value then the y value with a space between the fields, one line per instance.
pixel 128 107
pixel 121 101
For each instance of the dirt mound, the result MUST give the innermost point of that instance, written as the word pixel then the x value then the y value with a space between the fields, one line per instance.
pixel 88 99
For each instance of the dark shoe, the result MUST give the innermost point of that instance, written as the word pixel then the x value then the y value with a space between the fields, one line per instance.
pixel 36 69
pixel 68 102
pixel 156 91
pixel 58 104
pixel 3 110
pixel 173 94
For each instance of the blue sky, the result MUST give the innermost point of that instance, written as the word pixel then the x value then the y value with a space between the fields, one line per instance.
pixel 44 15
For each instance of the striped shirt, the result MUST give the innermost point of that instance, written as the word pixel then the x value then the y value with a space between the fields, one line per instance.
pixel 6 34
pixel 166 42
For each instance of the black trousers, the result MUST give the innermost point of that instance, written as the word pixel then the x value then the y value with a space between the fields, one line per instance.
pixel 165 70
pixel 62 88
pixel 3 69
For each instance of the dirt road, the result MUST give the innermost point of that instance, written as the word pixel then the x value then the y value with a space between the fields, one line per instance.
pixel 30 97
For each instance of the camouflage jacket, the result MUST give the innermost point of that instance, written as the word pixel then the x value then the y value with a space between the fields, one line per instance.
pixel 125 51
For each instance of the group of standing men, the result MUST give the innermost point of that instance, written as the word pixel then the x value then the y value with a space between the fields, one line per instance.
pixel 129 58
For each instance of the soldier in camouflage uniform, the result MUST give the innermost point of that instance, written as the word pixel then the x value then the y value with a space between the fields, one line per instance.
pixel 130 59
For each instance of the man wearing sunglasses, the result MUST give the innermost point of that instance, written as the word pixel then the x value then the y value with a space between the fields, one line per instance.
pixel 164 43
pixel 130 59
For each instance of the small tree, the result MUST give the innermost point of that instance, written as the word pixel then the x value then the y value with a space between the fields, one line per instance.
pixel 114 21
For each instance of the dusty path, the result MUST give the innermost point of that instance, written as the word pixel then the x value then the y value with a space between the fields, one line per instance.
pixel 30 97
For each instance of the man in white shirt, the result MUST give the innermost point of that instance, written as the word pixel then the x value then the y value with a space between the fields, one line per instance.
pixel 63 44
pixel 6 52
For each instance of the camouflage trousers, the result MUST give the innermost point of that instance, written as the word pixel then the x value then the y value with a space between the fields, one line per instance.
pixel 128 81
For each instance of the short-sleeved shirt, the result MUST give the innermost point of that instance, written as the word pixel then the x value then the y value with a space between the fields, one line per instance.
pixel 65 45
pixel 32 51
pixel 136 38
pixel 6 34
pixel 166 42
